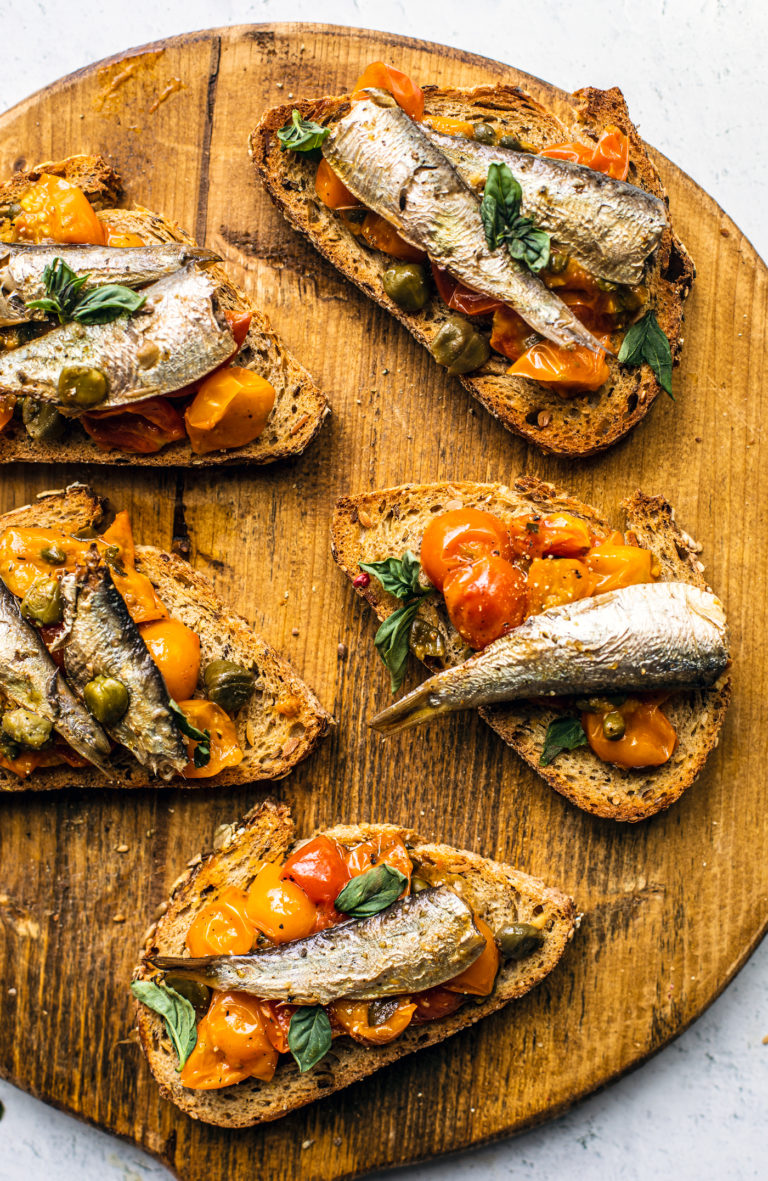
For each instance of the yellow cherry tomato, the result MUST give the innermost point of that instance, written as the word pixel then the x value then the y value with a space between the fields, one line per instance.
pixel 222 927
pixel 353 1017
pixel 479 978
pixel 53 210
pixel 230 409
pixel 279 909
pixel 175 649
pixel 226 751
pixel 116 237
pixel 138 592
pixel 649 737
pixel 231 1045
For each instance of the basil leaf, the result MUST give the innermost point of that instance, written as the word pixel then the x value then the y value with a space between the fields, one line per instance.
pixel 562 734
pixel 646 342
pixel 399 576
pixel 176 1011
pixel 371 892
pixel 301 135
pixel 106 303
pixel 202 752
pixel 309 1035
pixel 63 290
pixel 64 297
pixel 393 641
pixel 500 205
pixel 529 245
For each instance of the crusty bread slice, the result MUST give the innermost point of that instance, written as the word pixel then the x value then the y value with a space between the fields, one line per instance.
pixel 281 724
pixel 497 892
pixel 299 409
pixel 376 525
pixel 579 425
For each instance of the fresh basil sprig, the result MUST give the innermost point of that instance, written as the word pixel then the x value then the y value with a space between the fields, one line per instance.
pixel 309 1036
pixel 64 297
pixel 176 1011
pixel 202 753
pixel 645 341
pixel 503 223
pixel 562 734
pixel 301 135
pixel 400 577
pixel 371 892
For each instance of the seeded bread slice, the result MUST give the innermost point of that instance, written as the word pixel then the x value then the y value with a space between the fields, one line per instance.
pixel 299 409
pixel 280 725
pixel 579 425
pixel 376 525
pixel 497 892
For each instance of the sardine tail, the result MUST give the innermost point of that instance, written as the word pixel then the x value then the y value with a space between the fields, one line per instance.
pixel 419 706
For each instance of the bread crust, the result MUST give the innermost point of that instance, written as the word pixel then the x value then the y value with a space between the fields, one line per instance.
pixel 577 426
pixel 375 525
pixel 496 891
pixel 300 407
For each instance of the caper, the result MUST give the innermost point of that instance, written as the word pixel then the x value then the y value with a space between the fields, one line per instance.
pixel 26 728
pixel 11 211
pixel 484 133
pixel 517 940
pixel 406 284
pixel 418 884
pixel 42 602
pixel 106 698
pixel 197 994
pixel 42 420
pixel 510 141
pixel 558 262
pixel 613 726
pixel 53 554
pixel 460 347
pixel 606 285
pixel 79 385
pixel 87 533
pixel 426 640
pixel 228 684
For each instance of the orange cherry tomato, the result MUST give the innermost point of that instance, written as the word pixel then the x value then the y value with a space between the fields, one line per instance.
pixel 573 370
pixel 614 566
pixel 331 191
pixel 279 909
pixel 226 751
pixel 21 560
pixel 559 535
pixel 353 1017
pixel 207 1070
pixel 446 125
pixel 28 761
pixel 7 407
pixel 435 1003
pixel 137 591
pixel 555 581
pixel 175 649
pixel 384 848
pixel 382 235
pixel 479 978
pixel 53 210
pixel 144 428
pixel 485 600
pixel 116 237
pixel 649 737
pixel 232 1045
pixel 609 155
pixel 458 538
pixel 318 868
pixel 406 93
pixel 463 299
pixel 222 927
pixel 510 335
pixel 230 409
pixel 276 1016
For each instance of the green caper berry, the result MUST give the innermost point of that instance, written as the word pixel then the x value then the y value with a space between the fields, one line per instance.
pixel 484 133
pixel 26 728
pixel 614 726
pixel 87 533
pixel 517 940
pixel 228 685
pixel 197 994
pixel 80 385
pixel 426 640
pixel 405 283
pixel 459 347
pixel 42 603
pixel 42 420
pixel 11 211
pixel 53 554
pixel 106 698
pixel 558 262
pixel 510 141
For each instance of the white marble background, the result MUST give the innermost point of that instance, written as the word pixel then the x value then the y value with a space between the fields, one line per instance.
pixel 694 74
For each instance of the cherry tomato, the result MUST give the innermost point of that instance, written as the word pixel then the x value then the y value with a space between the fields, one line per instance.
pixel 649 737
pixel 277 1022
pixel 558 535
pixel 144 427
pixel 610 155
pixel 575 370
pixel 614 566
pixel 230 409
pixel 435 1003
pixel 463 299
pixel 353 1017
pixel 175 649
pixel 7 407
pixel 479 978
pixel 117 237
pixel 28 761
pixel 382 848
pixel 555 581
pixel 222 927
pixel 318 868
pixel 382 235
pixel 485 600
pixel 137 591
pixel 234 1020
pixel 446 125
pixel 239 322
pixel 458 538
pixel 331 191
pixel 510 335
pixel 406 93
pixel 53 210
pixel 226 750
pixel 279 909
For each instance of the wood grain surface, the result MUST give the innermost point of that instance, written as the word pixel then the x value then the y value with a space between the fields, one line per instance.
pixel 672 907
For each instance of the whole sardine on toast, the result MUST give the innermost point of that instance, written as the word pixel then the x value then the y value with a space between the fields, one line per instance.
pixel 652 636
pixel 417 943
pixel 178 336
pixel 388 163
pixel 22 267
pixel 29 677
pixel 609 226
pixel 102 639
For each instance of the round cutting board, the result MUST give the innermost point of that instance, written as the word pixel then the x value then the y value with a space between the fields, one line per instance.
pixel 671 907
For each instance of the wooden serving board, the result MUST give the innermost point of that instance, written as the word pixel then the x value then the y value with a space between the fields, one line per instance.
pixel 672 908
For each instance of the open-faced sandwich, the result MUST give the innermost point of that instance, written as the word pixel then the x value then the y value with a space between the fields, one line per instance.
pixel 600 656
pixel 530 251
pixel 119 664
pixel 121 339
pixel 282 971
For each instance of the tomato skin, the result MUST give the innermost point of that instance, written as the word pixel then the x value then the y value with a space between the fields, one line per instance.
pixel 276 1016
pixel 175 649
pixel 649 738
pixel 559 535
pixel 144 428
pixel 113 236
pixel 352 1017
pixel 230 409
pixel 382 848
pixel 552 583
pixel 319 869
pixel 405 92
pixel 222 927
pixel 446 125
pixel 330 189
pixel 463 299
pixel 279 909
pixel 575 370
pixel 434 1003
pixel 480 977
pixel 457 538
pixel 225 748
pixel 485 600
pixel 7 407
pixel 382 235
pixel 510 335
pixel 53 210
pixel 239 322
pixel 137 591
pixel 609 155
pixel 614 566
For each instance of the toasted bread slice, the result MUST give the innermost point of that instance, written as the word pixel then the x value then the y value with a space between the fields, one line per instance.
pixel 299 407
pixel 495 891
pixel 579 425
pixel 376 525
pixel 281 724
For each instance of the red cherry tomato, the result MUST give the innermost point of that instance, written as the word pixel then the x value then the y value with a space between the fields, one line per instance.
pixel 485 600
pixel 463 299
pixel 459 537
pixel 406 93
pixel 145 428
pixel 558 535
pixel 433 1004
pixel 609 155
pixel 382 848
pixel 319 869
pixel 330 189
pixel 239 322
